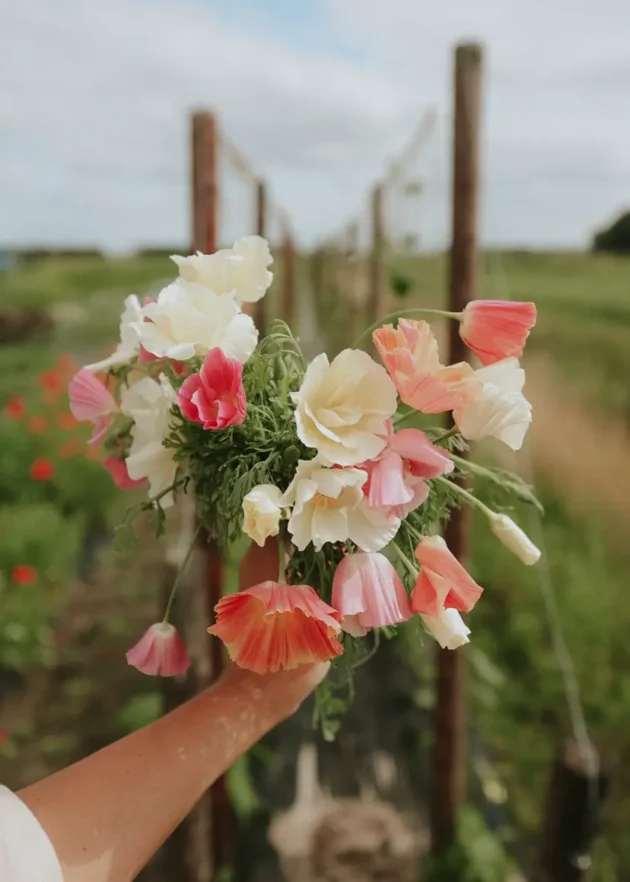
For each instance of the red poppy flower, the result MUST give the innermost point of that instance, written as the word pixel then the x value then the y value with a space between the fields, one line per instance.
pixel 66 365
pixel 15 408
pixel 23 574
pixel 42 470
pixel 67 422
pixel 70 448
pixel 51 381
pixel 36 425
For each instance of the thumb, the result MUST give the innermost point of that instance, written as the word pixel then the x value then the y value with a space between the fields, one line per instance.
pixel 258 565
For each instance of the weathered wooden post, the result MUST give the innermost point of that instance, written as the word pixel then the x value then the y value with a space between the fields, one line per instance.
pixel 449 765
pixel 576 791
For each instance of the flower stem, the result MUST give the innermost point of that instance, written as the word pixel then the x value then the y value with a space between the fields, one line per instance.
pixel 469 497
pixel 372 652
pixel 446 435
pixel 401 313
pixel 282 564
pixel 401 554
pixel 178 577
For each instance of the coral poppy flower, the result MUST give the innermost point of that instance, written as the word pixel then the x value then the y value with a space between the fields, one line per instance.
pixel 36 425
pixel 275 626
pixel 368 593
pixel 215 397
pixel 91 402
pixel 410 354
pixel 42 470
pixel 120 475
pixel 443 582
pixel 160 652
pixel 23 574
pixel 15 407
pixel 497 329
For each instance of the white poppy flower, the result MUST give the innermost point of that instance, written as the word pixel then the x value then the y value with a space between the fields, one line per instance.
pixel 448 628
pixel 497 407
pixel 342 407
pixel 240 271
pixel 188 319
pixel 149 402
pixel 129 342
pixel 262 513
pixel 514 539
pixel 328 505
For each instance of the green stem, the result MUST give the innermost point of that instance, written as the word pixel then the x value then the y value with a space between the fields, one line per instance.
pixel 448 434
pixel 282 565
pixel 465 494
pixel 372 652
pixel 401 554
pixel 401 313
pixel 178 577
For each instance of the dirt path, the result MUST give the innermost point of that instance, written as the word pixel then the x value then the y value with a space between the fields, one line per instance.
pixel 583 454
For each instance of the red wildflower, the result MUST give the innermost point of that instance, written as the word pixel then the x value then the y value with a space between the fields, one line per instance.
pixel 51 381
pixel 15 408
pixel 66 365
pixel 67 421
pixel 42 470
pixel 70 448
pixel 36 425
pixel 23 574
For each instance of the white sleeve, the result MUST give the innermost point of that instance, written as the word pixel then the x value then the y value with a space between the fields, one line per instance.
pixel 26 854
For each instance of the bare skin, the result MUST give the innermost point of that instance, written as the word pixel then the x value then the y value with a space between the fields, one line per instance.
pixel 109 813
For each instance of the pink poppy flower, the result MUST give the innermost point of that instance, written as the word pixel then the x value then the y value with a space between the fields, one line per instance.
pixel 120 475
pixel 497 329
pixel 368 593
pixel 215 397
pixel 396 478
pixel 443 582
pixel 410 354
pixel 91 402
pixel 160 652
pixel 274 626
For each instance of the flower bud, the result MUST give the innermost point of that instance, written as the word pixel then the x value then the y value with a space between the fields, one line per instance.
pixel 514 539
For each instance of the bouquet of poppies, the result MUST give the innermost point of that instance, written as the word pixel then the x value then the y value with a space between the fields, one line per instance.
pixel 325 458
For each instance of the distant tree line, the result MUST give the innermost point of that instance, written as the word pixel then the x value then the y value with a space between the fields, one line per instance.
pixel 615 238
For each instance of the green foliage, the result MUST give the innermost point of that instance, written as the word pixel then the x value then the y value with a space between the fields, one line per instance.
pixel 264 449
pixel 139 711
pixel 616 237
pixel 478 856
pixel 401 284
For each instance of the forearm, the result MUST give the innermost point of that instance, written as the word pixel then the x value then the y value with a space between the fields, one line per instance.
pixel 108 814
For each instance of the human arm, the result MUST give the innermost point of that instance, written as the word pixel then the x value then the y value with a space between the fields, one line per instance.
pixel 109 813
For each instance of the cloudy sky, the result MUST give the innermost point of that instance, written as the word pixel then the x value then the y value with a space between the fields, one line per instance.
pixel 319 94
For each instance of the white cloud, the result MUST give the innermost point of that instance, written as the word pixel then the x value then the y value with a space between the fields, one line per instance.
pixel 96 116
pixel 94 128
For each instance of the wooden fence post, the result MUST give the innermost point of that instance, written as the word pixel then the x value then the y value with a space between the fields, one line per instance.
pixel 204 842
pixel 288 280
pixel 260 307
pixel 449 764
pixel 576 791
pixel 376 292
